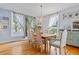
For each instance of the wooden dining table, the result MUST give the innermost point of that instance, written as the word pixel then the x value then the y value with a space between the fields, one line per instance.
pixel 46 38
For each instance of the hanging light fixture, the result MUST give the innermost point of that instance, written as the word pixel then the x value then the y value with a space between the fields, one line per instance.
pixel 41 17
pixel 41 9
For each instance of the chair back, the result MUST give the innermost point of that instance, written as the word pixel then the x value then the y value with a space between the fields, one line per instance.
pixel 64 38
pixel 39 37
pixel 32 36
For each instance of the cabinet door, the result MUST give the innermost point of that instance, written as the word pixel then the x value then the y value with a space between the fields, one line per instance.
pixel 75 38
pixel 69 38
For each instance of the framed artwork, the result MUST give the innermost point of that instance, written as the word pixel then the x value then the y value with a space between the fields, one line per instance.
pixel 70 15
pixel 4 22
pixel 76 25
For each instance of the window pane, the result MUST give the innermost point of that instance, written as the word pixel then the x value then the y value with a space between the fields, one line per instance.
pixel 17 25
pixel 53 20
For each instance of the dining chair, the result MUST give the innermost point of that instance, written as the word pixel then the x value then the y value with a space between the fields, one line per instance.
pixel 39 41
pixel 31 39
pixel 59 43
pixel 36 40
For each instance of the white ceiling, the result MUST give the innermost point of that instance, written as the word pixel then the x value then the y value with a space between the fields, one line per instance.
pixel 34 9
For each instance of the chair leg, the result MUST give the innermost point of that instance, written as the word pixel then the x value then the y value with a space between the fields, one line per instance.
pixel 41 48
pixel 60 51
pixel 49 49
pixel 29 42
pixel 55 50
pixel 65 50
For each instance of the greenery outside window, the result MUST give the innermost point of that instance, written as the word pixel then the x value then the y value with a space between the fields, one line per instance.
pixel 17 25
pixel 53 26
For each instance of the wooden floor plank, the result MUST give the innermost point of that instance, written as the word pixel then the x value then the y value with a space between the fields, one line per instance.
pixel 27 49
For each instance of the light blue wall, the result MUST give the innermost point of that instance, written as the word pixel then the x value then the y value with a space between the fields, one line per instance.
pixel 73 35
pixel 68 21
pixel 5 34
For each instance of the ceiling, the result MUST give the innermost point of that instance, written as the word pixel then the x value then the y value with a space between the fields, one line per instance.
pixel 34 9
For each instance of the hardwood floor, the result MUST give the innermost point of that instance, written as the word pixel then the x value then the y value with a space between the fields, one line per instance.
pixel 73 50
pixel 23 47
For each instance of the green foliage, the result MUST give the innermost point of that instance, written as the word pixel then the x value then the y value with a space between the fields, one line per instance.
pixel 31 23
pixel 15 22
pixel 52 30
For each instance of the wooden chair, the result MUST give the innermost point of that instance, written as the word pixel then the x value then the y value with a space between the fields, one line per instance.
pixel 39 41
pixel 32 39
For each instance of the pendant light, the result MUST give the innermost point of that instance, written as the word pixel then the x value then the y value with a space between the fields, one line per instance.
pixel 41 16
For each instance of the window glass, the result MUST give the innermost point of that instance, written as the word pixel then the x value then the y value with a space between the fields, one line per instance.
pixel 53 21
pixel 53 24
pixel 17 25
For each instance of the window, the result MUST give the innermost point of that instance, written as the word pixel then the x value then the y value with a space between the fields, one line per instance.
pixel 17 25
pixel 53 24
pixel 53 21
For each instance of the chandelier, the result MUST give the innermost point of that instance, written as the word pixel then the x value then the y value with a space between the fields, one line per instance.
pixel 41 16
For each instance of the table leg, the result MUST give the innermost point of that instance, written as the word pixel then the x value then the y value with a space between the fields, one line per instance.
pixel 46 46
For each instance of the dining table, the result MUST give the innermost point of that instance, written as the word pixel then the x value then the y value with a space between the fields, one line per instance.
pixel 46 38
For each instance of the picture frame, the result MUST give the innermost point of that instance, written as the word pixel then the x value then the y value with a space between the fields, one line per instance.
pixel 76 25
